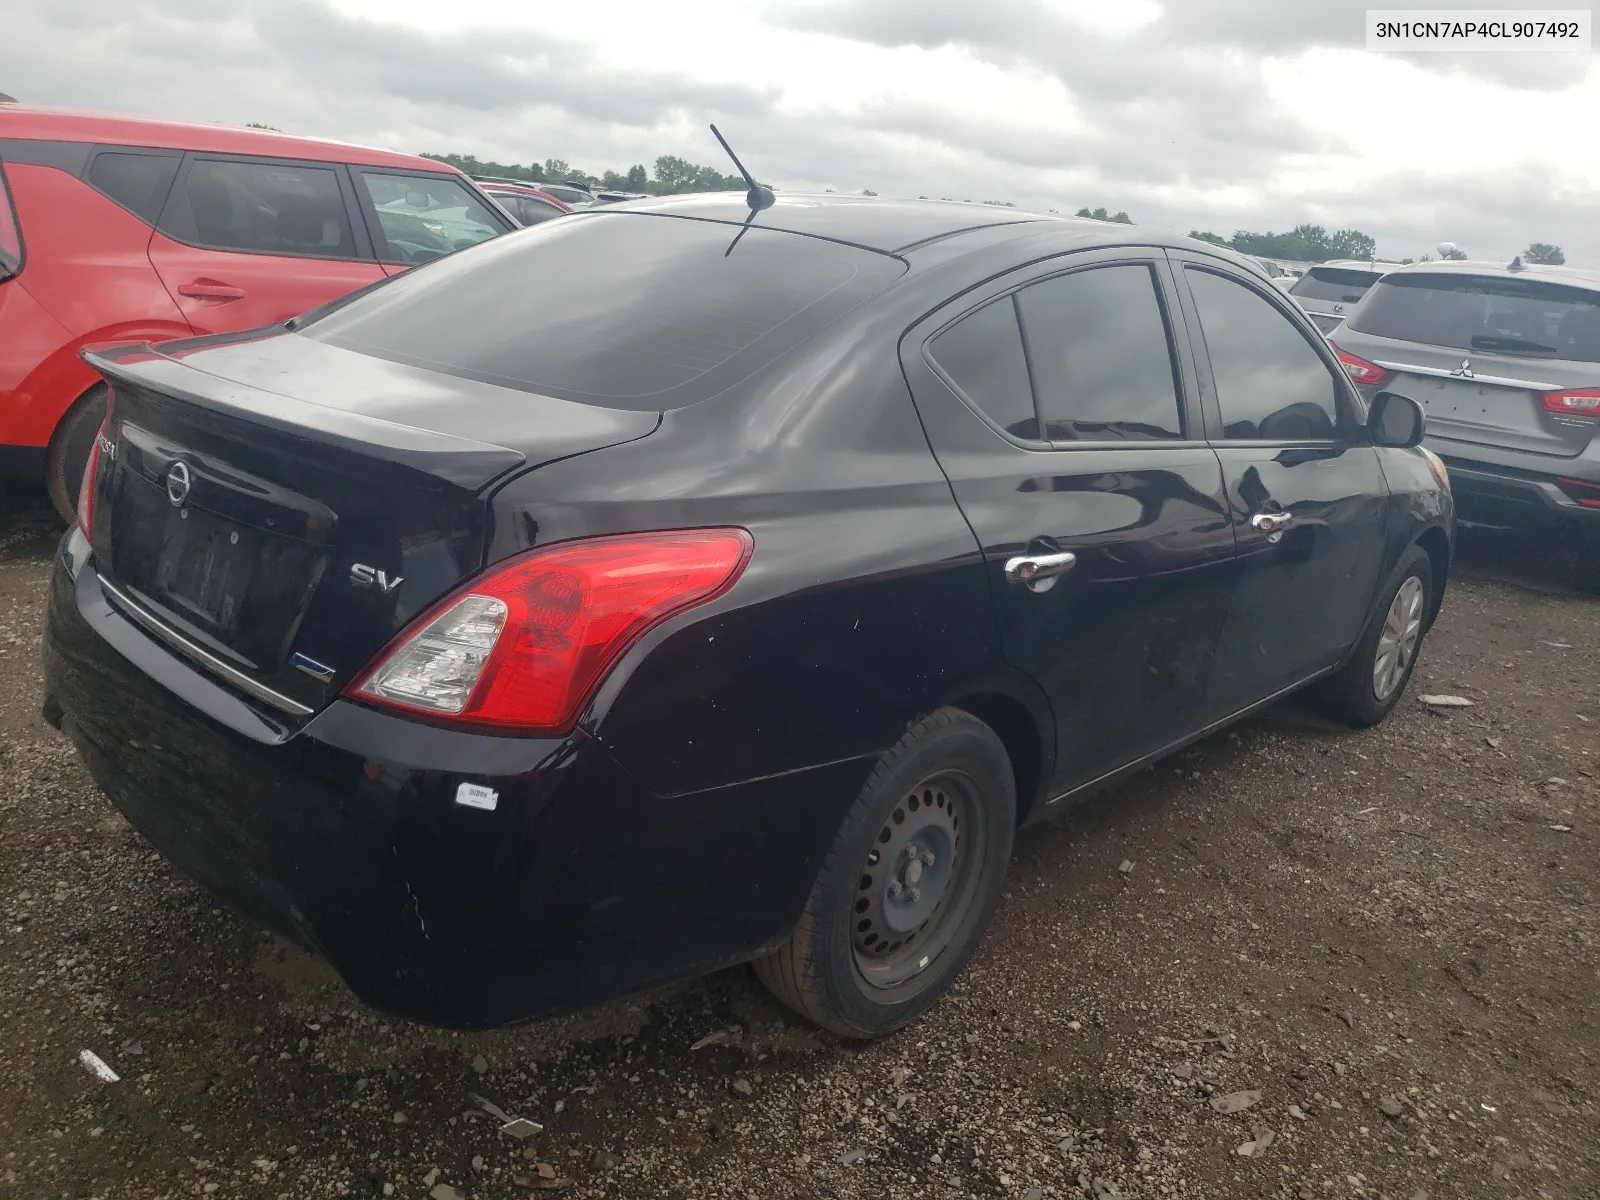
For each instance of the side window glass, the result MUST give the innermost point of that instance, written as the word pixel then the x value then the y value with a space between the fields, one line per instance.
pixel 10 235
pixel 138 182
pixel 536 211
pixel 262 207
pixel 1271 385
pixel 981 354
pixel 426 217
pixel 1102 361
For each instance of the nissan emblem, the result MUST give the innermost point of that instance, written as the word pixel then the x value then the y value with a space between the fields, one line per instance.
pixel 178 483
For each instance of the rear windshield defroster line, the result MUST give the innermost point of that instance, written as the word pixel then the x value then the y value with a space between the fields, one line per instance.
pixel 1529 318
pixel 619 310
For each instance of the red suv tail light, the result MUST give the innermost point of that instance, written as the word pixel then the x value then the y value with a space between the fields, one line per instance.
pixel 1360 370
pixel 524 647
pixel 1576 402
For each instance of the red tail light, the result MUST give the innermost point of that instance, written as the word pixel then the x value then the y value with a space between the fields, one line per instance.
pixel 1577 402
pixel 1360 370
pixel 90 468
pixel 1584 491
pixel 524 647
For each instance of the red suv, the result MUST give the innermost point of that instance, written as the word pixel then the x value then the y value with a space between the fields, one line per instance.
pixel 118 228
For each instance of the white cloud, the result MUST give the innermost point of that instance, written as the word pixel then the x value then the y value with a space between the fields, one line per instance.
pixel 1219 114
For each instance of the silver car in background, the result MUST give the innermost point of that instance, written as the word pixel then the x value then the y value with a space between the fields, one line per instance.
pixel 1329 290
pixel 1505 361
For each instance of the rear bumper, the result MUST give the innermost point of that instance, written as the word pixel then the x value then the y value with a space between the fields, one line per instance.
pixel 344 835
pixel 1523 494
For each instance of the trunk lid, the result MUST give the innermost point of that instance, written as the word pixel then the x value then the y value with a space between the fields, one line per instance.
pixel 277 509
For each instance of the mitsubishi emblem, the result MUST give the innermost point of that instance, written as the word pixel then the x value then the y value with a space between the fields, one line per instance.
pixel 1464 371
pixel 178 483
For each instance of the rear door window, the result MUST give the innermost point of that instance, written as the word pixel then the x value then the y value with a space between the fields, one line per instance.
pixel 424 217
pixel 138 182
pixel 1500 314
pixel 981 356
pixel 534 211
pixel 1102 360
pixel 655 312
pixel 1342 285
pixel 10 232
pixel 261 206
pixel 1270 384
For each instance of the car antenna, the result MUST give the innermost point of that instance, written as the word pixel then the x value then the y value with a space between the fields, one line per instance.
pixel 1516 264
pixel 759 197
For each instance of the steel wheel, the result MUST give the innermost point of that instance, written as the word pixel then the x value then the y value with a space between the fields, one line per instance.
pixel 1402 630
pixel 919 880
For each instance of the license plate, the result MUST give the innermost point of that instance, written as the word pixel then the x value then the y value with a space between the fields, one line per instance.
pixel 204 569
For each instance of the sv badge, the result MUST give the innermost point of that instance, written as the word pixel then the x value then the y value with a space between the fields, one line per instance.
pixel 363 576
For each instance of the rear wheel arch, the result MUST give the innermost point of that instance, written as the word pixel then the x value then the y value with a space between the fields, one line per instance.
pixel 1019 731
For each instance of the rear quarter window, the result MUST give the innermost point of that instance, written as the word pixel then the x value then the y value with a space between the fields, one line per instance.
pixel 1501 314
pixel 10 231
pixel 138 182
pixel 651 312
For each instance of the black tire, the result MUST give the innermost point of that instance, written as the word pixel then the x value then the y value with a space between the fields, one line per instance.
pixel 1353 695
pixel 69 450
pixel 949 768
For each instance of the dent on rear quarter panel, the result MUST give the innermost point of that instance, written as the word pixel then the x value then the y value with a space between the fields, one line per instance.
pixel 864 604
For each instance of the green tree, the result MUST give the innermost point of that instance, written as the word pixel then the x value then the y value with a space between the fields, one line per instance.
pixel 1456 255
pixel 674 175
pixel 1352 243
pixel 1544 254
pixel 868 192
pixel 1305 243
pixel 258 125
pixel 1100 214
pixel 637 178
pixel 533 172
pixel 1216 239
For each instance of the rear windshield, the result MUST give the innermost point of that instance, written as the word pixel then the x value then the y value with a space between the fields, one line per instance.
pixel 1483 312
pixel 1343 285
pixel 622 310
pixel 10 234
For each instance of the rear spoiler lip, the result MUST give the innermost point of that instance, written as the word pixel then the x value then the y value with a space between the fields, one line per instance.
pixel 460 462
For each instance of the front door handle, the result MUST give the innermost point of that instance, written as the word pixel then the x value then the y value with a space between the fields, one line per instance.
pixel 1038 572
pixel 210 289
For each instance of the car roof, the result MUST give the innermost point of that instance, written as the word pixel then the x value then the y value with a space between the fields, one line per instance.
pixel 29 122
pixel 1358 264
pixel 876 223
pixel 892 226
pixel 1571 276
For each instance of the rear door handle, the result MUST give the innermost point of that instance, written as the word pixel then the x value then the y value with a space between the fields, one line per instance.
pixel 1272 522
pixel 210 289
pixel 1038 572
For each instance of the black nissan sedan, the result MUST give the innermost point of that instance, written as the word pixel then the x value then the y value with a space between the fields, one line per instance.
pixel 739 609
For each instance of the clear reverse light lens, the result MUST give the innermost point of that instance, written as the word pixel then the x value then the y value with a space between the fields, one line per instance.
pixel 438 668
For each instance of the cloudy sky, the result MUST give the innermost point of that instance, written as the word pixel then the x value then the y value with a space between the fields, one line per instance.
pixel 1210 114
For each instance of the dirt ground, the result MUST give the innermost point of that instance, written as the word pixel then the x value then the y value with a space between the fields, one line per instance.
pixel 1391 936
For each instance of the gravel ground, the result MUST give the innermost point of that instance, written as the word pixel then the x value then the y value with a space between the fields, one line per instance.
pixel 1382 943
